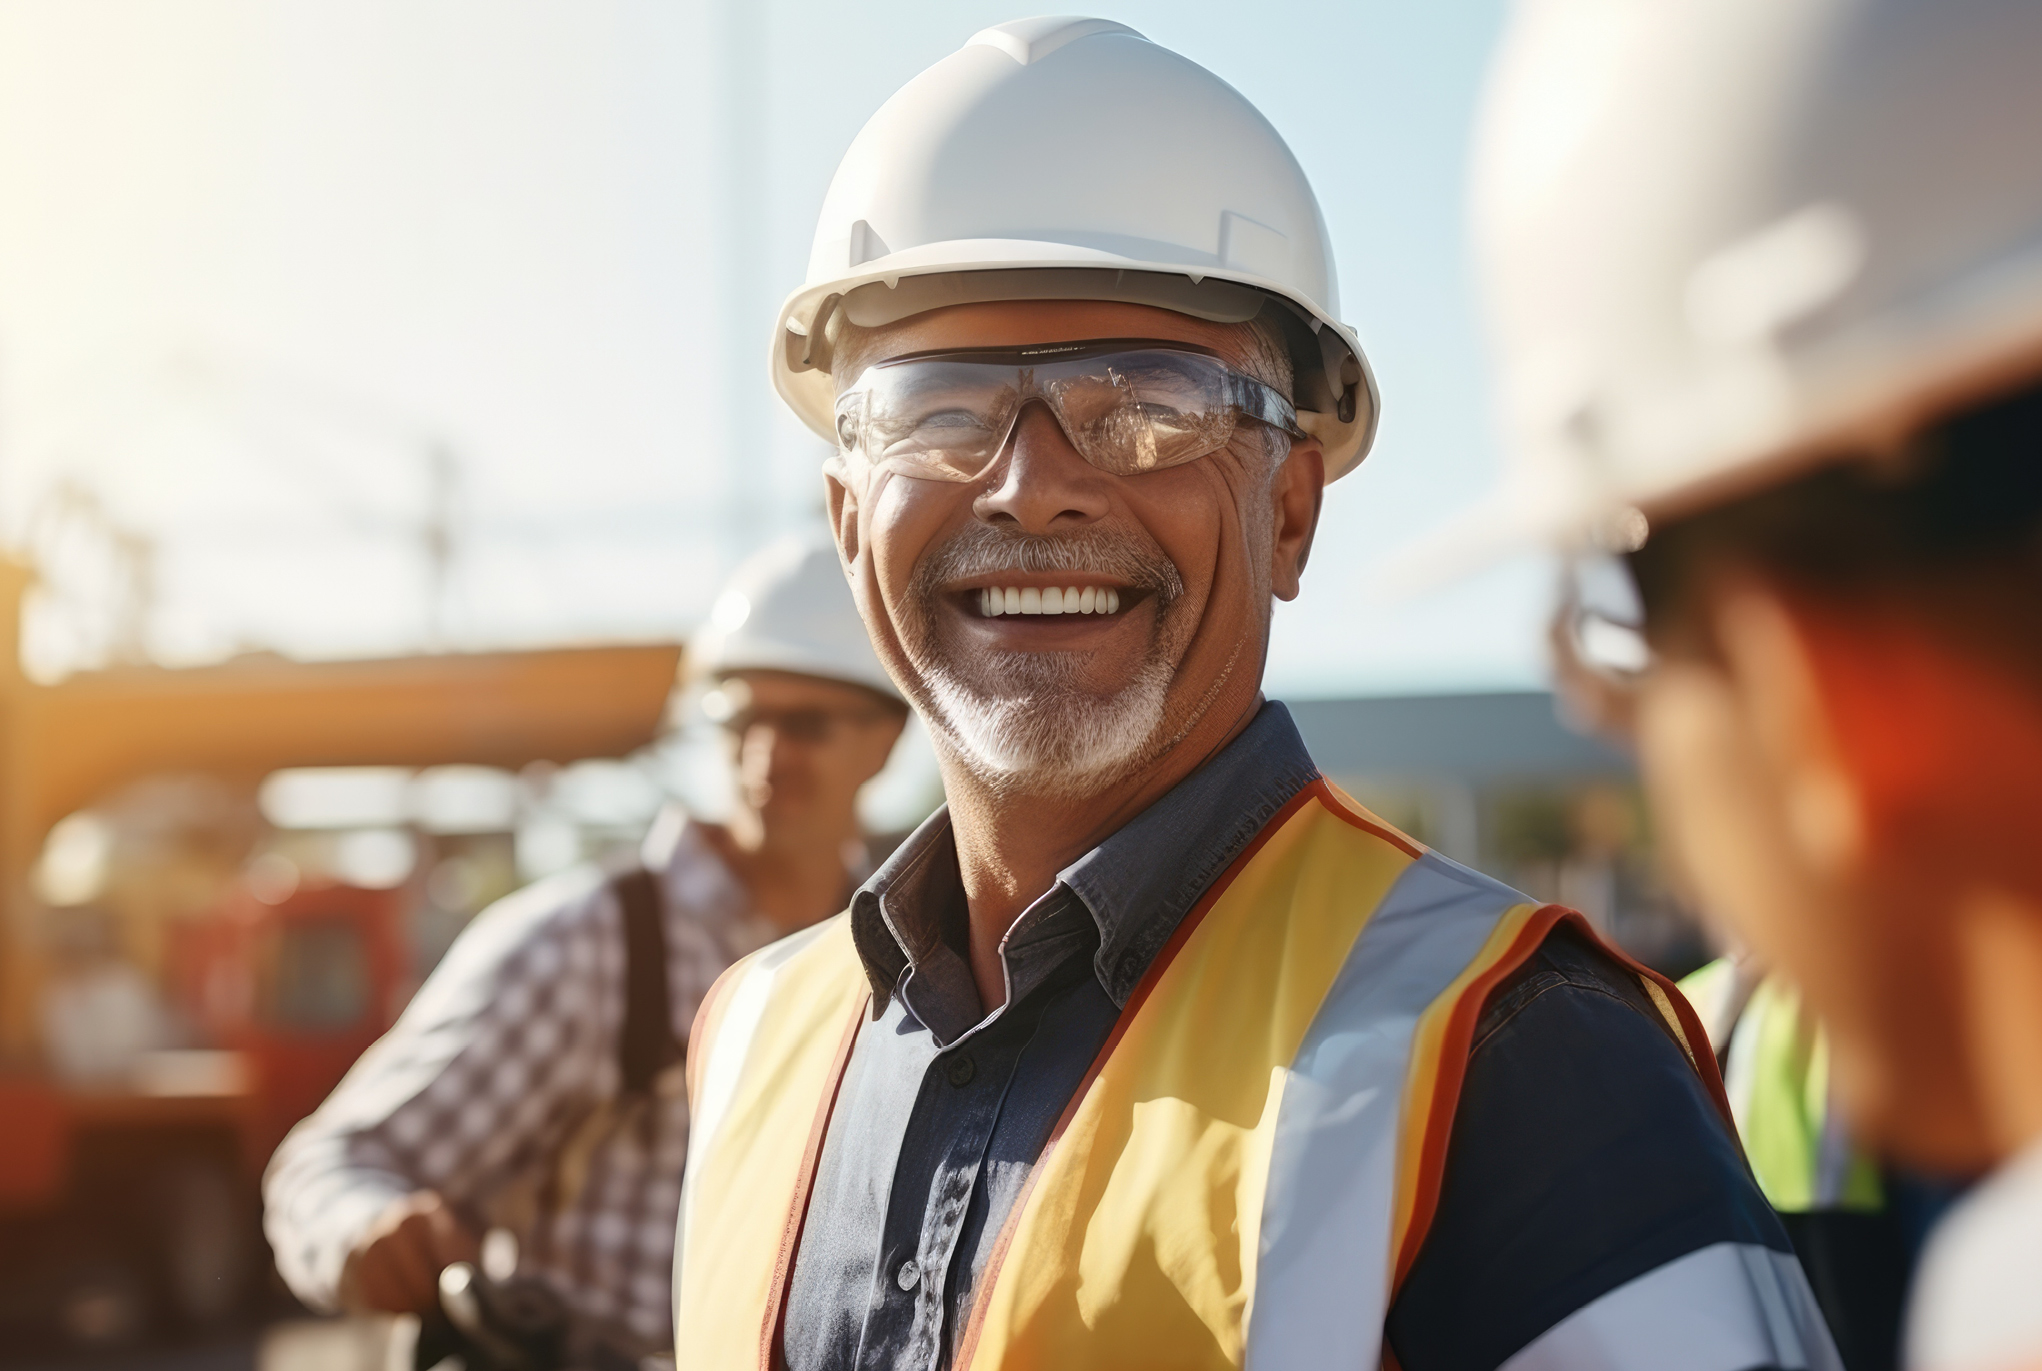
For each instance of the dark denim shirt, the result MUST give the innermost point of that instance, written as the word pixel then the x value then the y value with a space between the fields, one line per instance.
pixel 945 1108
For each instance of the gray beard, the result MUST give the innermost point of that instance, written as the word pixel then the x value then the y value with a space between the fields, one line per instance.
pixel 1021 721
pixel 1049 738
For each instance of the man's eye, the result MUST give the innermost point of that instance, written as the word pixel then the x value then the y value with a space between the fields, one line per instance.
pixel 949 422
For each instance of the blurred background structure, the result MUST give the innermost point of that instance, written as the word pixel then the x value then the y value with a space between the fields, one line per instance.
pixel 382 399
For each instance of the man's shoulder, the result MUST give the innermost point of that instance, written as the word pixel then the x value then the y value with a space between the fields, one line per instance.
pixel 542 930
pixel 1571 964
pixel 826 944
pixel 1362 823
pixel 1586 1151
pixel 553 905
pixel 800 974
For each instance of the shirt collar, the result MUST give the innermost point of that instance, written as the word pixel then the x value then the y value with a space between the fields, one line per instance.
pixel 1137 885
pixel 897 916
pixel 1142 881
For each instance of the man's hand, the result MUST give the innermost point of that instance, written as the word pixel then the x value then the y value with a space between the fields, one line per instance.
pixel 395 1268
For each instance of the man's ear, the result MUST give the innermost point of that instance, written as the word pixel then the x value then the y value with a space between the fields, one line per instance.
pixel 1296 496
pixel 1771 661
pixel 842 504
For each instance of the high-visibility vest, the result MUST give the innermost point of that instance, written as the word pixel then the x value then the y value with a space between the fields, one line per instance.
pixel 1776 1076
pixel 1250 1165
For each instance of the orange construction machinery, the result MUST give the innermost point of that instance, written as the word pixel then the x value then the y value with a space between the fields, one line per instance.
pixel 130 1202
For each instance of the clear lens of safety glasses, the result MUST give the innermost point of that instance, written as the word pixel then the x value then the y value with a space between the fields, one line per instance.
pixel 1602 619
pixel 1127 406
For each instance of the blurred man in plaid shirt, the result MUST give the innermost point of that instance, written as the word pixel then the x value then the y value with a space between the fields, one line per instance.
pixel 534 1082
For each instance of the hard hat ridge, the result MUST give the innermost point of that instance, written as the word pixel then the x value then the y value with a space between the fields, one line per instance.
pixel 1816 229
pixel 1072 158
pixel 789 608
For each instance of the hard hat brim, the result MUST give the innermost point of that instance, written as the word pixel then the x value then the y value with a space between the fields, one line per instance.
pixel 1566 507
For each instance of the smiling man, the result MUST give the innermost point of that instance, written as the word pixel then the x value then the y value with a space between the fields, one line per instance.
pixel 1153 1048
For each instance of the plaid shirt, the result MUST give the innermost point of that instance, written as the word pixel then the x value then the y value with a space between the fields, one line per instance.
pixel 494 1088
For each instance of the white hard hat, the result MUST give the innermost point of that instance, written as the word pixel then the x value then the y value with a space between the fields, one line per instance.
pixel 1726 238
pixel 1063 158
pixel 789 608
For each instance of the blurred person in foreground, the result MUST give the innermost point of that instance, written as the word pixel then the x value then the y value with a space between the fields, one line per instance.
pixel 1858 1221
pixel 1766 283
pixel 533 1084
pixel 1154 1048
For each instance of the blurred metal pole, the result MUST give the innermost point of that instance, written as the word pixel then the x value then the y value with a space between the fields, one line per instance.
pixel 746 310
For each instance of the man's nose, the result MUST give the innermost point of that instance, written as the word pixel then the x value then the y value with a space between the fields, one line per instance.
pixel 760 749
pixel 1041 484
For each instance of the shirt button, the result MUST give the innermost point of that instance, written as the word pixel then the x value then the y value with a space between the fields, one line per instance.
pixel 909 1276
pixel 961 1070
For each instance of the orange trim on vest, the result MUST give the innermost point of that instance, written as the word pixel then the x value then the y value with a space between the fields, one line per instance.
pixel 1688 1026
pixel 804 1187
pixel 1346 807
pixel 708 1018
pixel 1438 1067
pixel 968 1347
pixel 824 979
pixel 1429 1122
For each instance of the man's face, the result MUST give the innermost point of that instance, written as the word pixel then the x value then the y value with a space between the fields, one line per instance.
pixel 1764 823
pixel 801 747
pixel 1065 703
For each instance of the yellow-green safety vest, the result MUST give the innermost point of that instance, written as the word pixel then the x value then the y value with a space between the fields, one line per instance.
pixel 1776 1075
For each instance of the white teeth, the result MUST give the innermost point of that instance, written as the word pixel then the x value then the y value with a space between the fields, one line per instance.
pixel 993 601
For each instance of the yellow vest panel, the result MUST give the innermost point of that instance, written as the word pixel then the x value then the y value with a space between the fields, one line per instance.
pixel 1245 1172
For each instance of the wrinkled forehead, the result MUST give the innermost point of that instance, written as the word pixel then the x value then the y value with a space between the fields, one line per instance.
pixel 1007 324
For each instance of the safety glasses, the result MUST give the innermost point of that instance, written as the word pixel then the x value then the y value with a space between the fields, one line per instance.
pixel 731 710
pixel 799 725
pixel 1600 653
pixel 1602 618
pixel 1128 405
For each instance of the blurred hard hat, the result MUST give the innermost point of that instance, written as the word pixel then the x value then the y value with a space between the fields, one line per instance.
pixel 788 608
pixel 1067 158
pixel 1723 239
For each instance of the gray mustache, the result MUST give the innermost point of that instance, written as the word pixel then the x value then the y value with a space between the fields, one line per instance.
pixel 982 550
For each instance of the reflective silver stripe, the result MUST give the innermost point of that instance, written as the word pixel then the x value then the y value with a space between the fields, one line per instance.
pixel 1322 1276
pixel 1833 1150
pixel 1729 1307
pixel 1740 1067
pixel 724 1062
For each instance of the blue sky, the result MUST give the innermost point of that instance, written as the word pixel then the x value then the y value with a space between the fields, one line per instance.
pixel 261 257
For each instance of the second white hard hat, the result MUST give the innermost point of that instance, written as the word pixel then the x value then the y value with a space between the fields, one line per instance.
pixel 1070 158
pixel 788 608
pixel 1723 239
